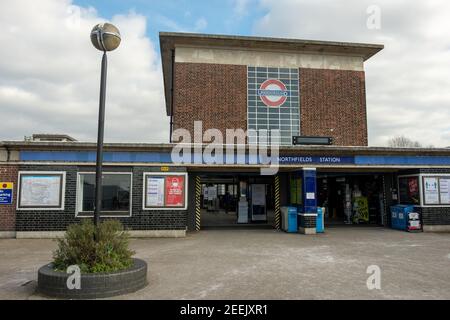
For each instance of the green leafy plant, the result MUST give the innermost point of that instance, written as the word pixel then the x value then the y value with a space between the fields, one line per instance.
pixel 110 253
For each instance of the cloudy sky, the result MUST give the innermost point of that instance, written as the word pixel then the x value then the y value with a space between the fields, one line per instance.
pixel 49 71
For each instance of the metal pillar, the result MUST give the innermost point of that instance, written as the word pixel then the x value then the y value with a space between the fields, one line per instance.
pixel 101 127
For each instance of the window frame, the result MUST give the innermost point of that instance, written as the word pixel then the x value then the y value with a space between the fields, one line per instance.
pixel 62 190
pixel 421 177
pixel 420 188
pixel 438 177
pixel 107 214
pixel 144 191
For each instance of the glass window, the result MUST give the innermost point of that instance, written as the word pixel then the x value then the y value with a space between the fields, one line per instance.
pixel 285 116
pixel 409 190
pixel 116 189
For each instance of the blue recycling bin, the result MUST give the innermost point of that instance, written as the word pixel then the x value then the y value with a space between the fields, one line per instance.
pixel 400 216
pixel 292 219
pixel 320 223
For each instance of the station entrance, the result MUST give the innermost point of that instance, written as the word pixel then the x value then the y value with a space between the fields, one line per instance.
pixel 351 198
pixel 249 200
pixel 237 200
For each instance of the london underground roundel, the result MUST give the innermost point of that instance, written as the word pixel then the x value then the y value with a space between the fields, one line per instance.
pixel 273 92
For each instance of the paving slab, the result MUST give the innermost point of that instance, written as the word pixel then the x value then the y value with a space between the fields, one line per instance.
pixel 264 264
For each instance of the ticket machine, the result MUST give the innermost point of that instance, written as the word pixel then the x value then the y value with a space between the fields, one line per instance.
pixel 258 204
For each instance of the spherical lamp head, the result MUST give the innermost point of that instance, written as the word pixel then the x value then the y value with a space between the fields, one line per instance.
pixel 105 37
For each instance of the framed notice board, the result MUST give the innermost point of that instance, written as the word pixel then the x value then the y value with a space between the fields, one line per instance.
pixel 165 191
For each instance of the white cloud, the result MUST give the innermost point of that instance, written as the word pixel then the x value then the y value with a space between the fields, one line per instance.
pixel 408 82
pixel 172 25
pixel 50 75
pixel 241 7
pixel 200 24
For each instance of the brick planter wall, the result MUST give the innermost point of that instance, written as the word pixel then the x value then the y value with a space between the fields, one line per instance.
pixel 96 285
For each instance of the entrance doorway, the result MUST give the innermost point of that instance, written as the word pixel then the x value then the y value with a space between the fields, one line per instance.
pixel 351 199
pixel 236 201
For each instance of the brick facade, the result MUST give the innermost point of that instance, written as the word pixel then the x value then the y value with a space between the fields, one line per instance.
pixel 213 93
pixel 44 220
pixel 8 173
pixel 332 102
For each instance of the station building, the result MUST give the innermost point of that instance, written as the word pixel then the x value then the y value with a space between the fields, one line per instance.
pixel 312 92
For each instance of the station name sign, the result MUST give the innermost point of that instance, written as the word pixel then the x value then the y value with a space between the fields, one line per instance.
pixel 315 160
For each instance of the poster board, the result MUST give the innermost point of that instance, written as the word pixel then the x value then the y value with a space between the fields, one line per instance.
pixel 155 192
pixel 41 190
pixel 430 190
pixel 259 194
pixel 164 191
pixel 174 191
pixel 444 190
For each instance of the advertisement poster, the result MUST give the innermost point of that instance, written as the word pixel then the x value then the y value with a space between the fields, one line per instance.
pixel 174 191
pixel 413 186
pixel 444 186
pixel 431 190
pixel 40 191
pixel 155 192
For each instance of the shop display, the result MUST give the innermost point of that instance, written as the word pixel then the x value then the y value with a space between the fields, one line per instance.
pixel 360 210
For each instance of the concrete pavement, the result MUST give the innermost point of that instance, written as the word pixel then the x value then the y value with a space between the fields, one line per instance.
pixel 265 264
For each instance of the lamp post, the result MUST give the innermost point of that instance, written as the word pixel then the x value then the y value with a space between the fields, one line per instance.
pixel 104 37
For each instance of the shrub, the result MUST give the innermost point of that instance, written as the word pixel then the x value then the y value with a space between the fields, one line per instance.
pixel 110 253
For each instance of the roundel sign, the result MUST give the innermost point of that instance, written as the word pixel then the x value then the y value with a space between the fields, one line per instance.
pixel 273 93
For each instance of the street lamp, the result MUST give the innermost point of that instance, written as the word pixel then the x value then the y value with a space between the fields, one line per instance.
pixel 104 37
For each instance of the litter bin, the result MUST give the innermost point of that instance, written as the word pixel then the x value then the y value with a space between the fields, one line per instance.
pixel 320 223
pixel 289 219
pixel 292 216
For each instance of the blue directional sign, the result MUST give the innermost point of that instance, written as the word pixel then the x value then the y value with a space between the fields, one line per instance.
pixel 6 192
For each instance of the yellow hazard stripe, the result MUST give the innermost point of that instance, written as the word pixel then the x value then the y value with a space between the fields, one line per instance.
pixel 198 192
pixel 277 203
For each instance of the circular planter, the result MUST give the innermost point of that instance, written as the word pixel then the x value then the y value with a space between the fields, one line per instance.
pixel 93 285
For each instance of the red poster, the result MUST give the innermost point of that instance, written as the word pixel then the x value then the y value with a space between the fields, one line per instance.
pixel 413 186
pixel 175 191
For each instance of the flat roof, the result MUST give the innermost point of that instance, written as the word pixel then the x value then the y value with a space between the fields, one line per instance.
pixel 158 147
pixel 169 40
pixel 52 136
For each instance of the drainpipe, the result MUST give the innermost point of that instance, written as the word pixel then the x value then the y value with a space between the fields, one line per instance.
pixel 171 94
pixel 8 153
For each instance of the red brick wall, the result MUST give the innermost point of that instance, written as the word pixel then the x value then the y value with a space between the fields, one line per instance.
pixel 334 99
pixel 213 93
pixel 8 173
pixel 217 95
